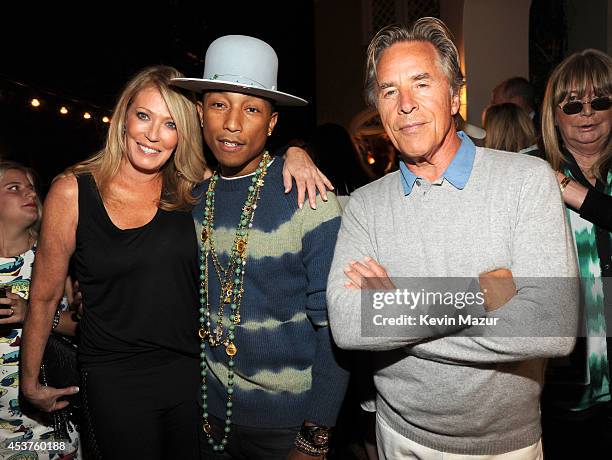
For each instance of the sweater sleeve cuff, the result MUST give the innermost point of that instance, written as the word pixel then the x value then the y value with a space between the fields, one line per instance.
pixel 590 205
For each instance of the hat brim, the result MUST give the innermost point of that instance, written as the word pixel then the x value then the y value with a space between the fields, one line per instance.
pixel 199 85
pixel 474 131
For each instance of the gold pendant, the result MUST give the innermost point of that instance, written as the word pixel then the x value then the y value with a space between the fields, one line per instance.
pixel 206 428
pixel 237 318
pixel 241 246
pixel 202 333
pixel 231 349
pixel 229 287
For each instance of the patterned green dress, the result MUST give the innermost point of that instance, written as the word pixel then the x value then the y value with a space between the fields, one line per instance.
pixel 597 382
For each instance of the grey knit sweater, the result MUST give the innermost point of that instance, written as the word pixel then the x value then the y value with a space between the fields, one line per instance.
pixel 467 395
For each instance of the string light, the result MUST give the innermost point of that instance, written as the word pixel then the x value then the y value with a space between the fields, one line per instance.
pixel 49 99
pixel 63 110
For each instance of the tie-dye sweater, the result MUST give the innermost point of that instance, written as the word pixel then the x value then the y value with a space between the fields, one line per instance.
pixel 286 369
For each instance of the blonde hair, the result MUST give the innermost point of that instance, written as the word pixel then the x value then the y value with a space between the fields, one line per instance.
pixel 6 165
pixel 186 166
pixel 426 29
pixel 508 128
pixel 582 72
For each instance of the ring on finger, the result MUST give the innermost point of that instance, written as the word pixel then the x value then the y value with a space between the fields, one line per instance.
pixel 11 311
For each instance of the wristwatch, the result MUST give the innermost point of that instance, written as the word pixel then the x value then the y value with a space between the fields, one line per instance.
pixel 318 436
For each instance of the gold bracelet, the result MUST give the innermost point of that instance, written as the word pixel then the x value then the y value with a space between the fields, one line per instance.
pixel 566 180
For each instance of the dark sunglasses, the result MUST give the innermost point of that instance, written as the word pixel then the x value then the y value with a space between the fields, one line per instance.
pixel 598 104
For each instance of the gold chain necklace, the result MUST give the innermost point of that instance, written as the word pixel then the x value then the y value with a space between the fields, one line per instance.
pixel 231 281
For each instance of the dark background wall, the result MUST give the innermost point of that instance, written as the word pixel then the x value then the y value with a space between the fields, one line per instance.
pixel 82 57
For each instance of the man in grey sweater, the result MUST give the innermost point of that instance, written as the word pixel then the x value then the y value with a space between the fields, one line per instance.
pixel 453 210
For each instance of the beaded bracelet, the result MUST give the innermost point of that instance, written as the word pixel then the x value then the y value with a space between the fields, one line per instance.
pixel 56 319
pixel 302 445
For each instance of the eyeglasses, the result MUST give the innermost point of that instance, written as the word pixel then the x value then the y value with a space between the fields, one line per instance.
pixel 598 104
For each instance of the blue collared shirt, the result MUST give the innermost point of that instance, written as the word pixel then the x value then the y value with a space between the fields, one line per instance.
pixel 458 171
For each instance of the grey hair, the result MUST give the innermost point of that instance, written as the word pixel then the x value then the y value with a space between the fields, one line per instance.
pixel 426 29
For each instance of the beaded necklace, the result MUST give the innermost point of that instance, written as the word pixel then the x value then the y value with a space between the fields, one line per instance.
pixel 231 280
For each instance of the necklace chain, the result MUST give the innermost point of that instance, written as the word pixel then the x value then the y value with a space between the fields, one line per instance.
pixel 231 282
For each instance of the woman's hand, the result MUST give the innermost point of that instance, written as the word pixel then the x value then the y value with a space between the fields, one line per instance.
pixel 300 167
pixel 13 308
pixel 46 398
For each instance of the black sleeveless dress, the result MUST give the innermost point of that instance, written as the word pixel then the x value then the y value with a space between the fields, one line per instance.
pixel 139 349
pixel 139 285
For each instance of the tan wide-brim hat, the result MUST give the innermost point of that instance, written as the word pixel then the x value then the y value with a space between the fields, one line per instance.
pixel 240 64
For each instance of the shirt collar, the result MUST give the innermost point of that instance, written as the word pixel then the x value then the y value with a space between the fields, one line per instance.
pixel 458 171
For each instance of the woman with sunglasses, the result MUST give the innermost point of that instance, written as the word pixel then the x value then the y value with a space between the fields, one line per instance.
pixel 576 122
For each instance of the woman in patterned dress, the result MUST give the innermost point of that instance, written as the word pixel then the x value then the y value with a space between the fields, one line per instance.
pixel 576 122
pixel 20 212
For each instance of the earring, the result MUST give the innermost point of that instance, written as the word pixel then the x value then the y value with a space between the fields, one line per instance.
pixel 269 133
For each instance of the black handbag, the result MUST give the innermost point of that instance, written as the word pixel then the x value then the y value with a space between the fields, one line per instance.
pixel 59 369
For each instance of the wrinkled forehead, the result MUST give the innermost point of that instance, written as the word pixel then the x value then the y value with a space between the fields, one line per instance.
pixel 416 55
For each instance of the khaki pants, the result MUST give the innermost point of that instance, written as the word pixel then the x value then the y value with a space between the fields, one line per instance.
pixel 394 446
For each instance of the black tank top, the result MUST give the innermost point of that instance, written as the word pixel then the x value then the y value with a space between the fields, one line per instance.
pixel 139 285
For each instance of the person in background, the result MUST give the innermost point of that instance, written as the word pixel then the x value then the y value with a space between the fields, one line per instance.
pixel 582 194
pixel 517 90
pixel 20 213
pixel 124 215
pixel 576 123
pixel 509 128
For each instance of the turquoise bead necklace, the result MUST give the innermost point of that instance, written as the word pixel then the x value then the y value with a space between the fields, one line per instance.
pixel 231 280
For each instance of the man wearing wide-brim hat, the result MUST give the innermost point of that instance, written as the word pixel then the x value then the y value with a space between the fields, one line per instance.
pixel 271 384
